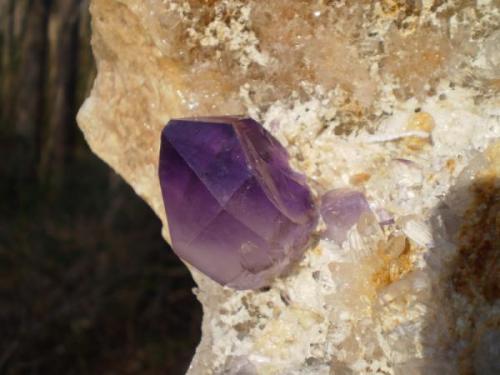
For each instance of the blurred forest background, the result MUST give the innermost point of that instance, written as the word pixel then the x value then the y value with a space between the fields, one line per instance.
pixel 87 285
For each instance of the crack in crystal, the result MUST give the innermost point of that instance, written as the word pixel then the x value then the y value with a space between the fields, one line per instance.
pixel 263 172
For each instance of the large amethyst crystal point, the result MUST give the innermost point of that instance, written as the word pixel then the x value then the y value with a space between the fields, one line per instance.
pixel 236 210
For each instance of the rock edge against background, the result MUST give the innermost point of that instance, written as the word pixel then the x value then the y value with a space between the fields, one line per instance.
pixel 398 101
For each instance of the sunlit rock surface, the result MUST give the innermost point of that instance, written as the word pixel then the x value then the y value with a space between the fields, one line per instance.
pixel 398 101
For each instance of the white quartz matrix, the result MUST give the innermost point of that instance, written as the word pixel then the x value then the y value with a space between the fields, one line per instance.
pixel 397 99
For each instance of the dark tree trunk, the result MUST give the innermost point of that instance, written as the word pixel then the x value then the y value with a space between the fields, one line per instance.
pixel 28 85
pixel 7 11
pixel 45 72
pixel 59 141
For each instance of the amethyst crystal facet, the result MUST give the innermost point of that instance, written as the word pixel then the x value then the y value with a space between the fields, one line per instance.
pixel 341 209
pixel 236 210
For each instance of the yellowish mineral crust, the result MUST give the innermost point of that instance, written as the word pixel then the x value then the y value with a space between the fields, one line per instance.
pixel 397 99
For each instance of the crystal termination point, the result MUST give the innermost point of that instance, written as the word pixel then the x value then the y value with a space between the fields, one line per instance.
pixel 236 210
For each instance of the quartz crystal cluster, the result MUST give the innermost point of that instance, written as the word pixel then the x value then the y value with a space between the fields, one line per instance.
pixel 236 210
pixel 390 109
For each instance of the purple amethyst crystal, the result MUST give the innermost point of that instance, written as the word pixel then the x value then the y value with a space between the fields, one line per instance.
pixel 236 210
pixel 341 209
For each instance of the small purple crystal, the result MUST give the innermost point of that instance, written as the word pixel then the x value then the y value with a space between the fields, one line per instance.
pixel 236 210
pixel 341 209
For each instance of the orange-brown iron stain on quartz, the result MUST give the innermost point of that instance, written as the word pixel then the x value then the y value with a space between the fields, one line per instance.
pixel 393 269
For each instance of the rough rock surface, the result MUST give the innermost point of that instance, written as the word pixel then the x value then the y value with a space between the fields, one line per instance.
pixel 400 101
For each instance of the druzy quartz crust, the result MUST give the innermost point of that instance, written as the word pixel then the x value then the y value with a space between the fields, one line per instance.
pixel 236 210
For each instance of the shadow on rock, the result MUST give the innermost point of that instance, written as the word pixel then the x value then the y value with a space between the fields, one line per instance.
pixel 461 333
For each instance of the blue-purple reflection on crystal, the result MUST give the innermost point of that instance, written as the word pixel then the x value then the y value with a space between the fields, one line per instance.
pixel 236 210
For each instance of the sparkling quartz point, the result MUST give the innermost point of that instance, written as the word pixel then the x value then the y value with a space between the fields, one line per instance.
pixel 236 210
